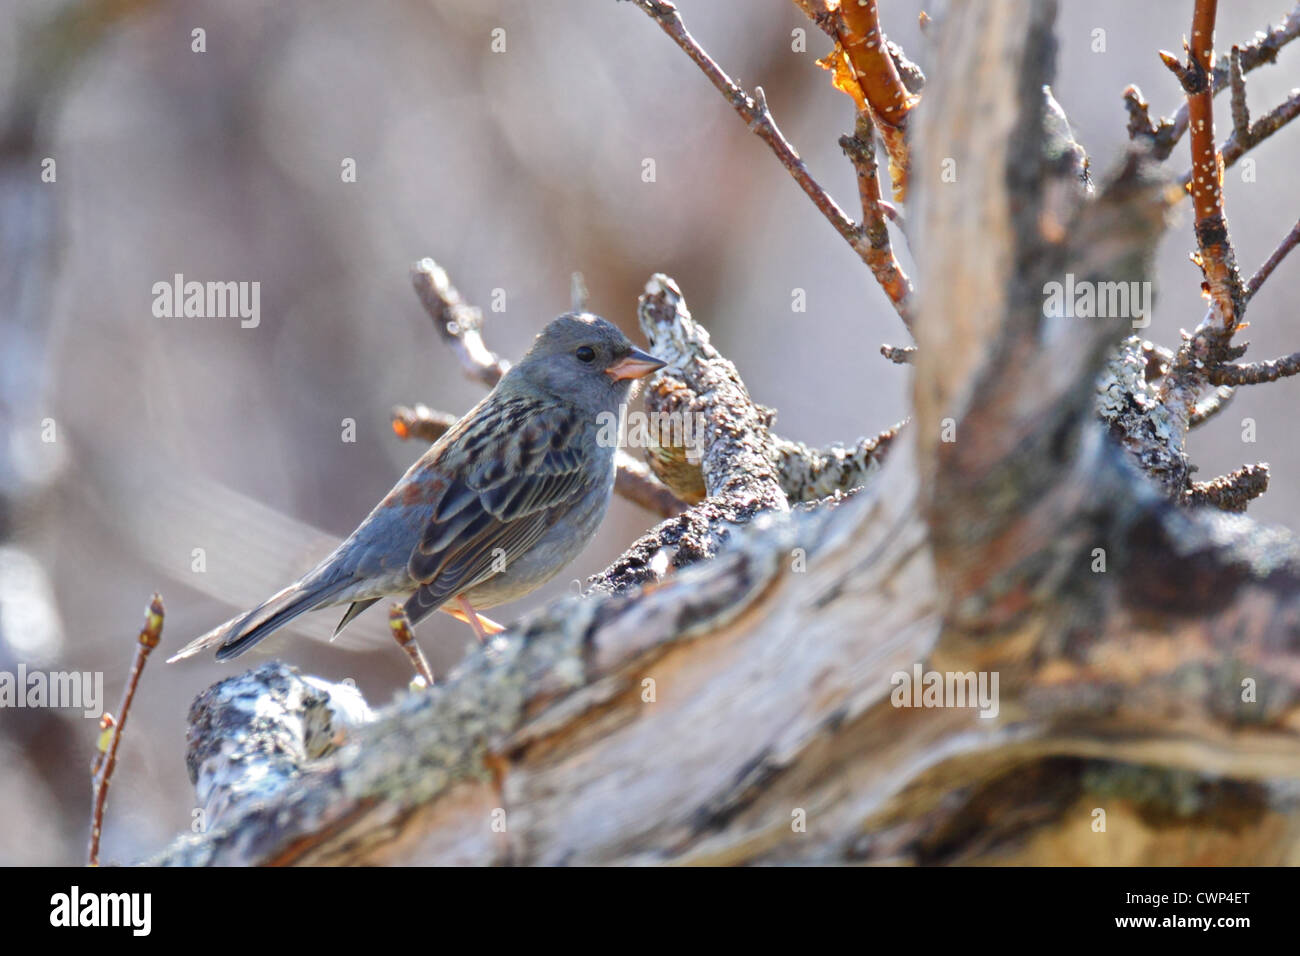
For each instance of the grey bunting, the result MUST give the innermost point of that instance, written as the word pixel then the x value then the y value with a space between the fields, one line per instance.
pixel 494 509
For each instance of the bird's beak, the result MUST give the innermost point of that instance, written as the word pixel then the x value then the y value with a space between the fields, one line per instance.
pixel 636 364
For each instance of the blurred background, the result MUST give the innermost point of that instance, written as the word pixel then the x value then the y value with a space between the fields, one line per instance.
pixel 509 141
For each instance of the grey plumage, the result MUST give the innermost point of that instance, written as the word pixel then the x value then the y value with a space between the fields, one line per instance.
pixel 495 508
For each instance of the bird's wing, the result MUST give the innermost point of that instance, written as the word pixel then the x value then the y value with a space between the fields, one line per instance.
pixel 519 465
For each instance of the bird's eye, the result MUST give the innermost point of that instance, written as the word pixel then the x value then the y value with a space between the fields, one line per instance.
pixel 585 353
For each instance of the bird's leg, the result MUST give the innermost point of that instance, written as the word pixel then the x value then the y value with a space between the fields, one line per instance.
pixel 483 627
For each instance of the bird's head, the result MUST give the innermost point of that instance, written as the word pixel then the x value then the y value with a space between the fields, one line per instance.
pixel 583 358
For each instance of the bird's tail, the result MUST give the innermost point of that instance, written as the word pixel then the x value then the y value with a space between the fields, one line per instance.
pixel 242 632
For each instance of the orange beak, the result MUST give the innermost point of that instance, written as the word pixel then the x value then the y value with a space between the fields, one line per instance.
pixel 636 364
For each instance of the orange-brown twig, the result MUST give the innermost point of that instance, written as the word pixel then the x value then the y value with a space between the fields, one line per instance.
pixel 106 759
pixel 1245 139
pixel 1215 254
pixel 881 86
pixel 401 629
pixel 420 422
pixel 861 150
pixel 1263 49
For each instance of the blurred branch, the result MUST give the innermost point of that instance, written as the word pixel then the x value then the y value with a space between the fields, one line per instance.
pixel 899 354
pixel 459 323
pixel 421 423
pixel 1256 373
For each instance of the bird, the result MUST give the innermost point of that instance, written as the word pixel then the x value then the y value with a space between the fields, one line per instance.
pixel 494 509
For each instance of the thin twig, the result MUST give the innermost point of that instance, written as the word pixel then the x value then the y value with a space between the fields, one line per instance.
pixel 861 150
pixel 106 759
pixel 1272 262
pixel 1256 373
pixel 1237 83
pixel 421 422
pixel 401 629
pixel 754 111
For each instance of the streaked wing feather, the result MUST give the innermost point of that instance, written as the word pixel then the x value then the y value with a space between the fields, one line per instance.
pixel 524 466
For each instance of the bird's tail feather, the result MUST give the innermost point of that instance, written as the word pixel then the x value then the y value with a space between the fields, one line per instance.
pixel 355 608
pixel 240 633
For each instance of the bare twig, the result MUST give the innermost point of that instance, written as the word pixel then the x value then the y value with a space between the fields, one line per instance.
pixel 1237 83
pixel 754 111
pixel 1263 49
pixel 401 629
pixel 421 422
pixel 861 150
pixel 1225 374
pixel 1139 115
pixel 1256 373
pixel 1272 262
pixel 106 759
